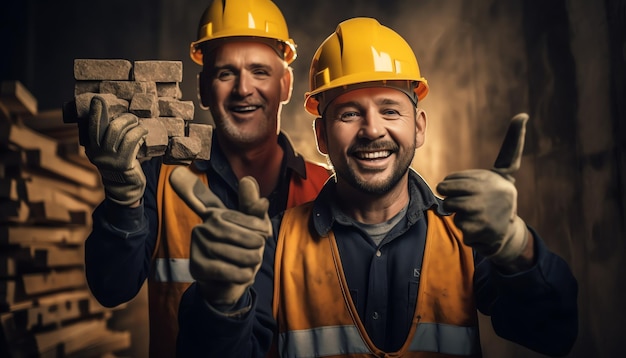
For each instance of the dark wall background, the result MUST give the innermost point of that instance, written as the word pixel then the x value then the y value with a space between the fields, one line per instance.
pixel 561 61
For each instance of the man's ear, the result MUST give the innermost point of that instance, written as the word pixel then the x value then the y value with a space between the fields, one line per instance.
pixel 204 85
pixel 319 127
pixel 286 85
pixel 420 127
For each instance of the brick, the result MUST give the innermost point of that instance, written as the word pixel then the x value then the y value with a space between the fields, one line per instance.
pixel 127 89
pixel 175 126
pixel 144 105
pixel 102 70
pixel 204 133
pixel 182 150
pixel 158 71
pixel 156 141
pixel 169 89
pixel 81 87
pixel 171 107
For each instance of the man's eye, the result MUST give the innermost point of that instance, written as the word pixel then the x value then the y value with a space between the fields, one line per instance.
pixel 225 75
pixel 391 113
pixel 261 73
pixel 349 116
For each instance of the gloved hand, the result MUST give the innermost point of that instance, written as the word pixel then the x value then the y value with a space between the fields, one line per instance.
pixel 113 148
pixel 485 202
pixel 227 248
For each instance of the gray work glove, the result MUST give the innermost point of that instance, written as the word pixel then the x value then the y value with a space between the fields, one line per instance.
pixel 227 248
pixel 113 148
pixel 485 202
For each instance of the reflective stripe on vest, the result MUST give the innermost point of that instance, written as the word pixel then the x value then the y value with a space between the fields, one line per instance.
pixel 445 338
pixel 172 270
pixel 320 342
pixel 341 340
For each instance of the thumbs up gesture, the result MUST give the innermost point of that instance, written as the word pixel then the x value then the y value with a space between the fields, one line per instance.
pixel 227 248
pixel 485 203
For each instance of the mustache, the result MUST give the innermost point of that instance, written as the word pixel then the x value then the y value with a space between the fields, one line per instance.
pixel 373 146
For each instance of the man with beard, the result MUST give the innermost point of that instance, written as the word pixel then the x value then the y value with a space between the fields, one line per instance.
pixel 377 265
pixel 142 229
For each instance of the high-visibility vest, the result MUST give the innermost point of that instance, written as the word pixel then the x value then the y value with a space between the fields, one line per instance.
pixel 317 317
pixel 170 276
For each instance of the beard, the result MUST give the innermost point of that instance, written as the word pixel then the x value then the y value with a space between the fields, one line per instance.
pixel 245 135
pixel 351 176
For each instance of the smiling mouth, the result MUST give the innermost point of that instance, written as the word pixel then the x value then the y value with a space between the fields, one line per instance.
pixel 244 109
pixel 381 154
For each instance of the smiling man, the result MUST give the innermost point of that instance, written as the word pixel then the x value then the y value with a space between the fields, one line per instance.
pixel 142 229
pixel 377 265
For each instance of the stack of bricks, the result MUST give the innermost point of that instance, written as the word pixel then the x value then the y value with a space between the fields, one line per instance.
pixel 149 90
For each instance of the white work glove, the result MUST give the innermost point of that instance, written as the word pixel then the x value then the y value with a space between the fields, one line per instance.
pixel 485 202
pixel 113 148
pixel 227 248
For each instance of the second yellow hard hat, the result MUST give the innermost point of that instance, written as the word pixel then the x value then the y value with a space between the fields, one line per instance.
pixel 244 19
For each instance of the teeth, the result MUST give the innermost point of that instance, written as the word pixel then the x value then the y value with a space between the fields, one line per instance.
pixel 244 109
pixel 374 155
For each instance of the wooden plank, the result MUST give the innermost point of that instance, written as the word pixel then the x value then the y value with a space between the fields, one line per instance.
pixel 22 292
pixel 9 295
pixel 91 196
pixel 16 342
pixel 41 152
pixel 39 283
pixel 17 99
pixel 54 256
pixel 62 168
pixel 50 123
pixel 51 314
pixel 28 235
pixel 35 192
pixel 14 211
pixel 75 153
pixel 8 265
pixel 9 189
pixel 47 212
pixel 50 341
pixel 108 342
pixel 16 261
pixel 56 309
pixel 11 259
pixel 12 159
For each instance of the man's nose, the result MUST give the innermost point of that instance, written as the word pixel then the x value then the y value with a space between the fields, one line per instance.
pixel 243 85
pixel 372 126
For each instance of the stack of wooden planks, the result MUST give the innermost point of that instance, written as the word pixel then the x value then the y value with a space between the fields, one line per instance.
pixel 47 192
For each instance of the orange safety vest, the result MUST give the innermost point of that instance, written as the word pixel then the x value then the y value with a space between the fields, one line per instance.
pixel 315 313
pixel 171 277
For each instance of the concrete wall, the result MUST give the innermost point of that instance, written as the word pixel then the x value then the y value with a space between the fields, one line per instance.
pixel 561 61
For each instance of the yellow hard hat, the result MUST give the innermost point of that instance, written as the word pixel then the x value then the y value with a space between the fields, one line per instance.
pixel 361 52
pixel 259 19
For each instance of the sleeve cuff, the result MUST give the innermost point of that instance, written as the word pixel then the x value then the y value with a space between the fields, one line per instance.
pixel 124 220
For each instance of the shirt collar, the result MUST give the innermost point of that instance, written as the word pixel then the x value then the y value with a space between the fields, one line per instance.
pixel 421 198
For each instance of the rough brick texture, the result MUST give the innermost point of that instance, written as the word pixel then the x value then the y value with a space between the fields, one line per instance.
pixel 102 70
pixel 153 96
pixel 158 71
